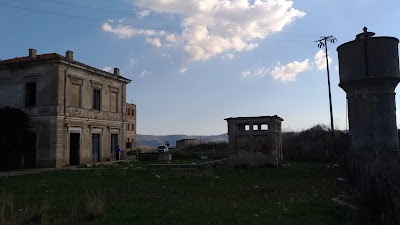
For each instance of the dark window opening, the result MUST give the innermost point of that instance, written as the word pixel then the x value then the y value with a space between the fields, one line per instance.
pixel 96 99
pixel 30 94
pixel 95 148
pixel 74 148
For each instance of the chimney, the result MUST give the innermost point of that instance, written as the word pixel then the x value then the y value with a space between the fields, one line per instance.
pixel 69 55
pixel 116 72
pixel 32 53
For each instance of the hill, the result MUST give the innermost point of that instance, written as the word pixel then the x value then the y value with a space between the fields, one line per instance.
pixel 156 140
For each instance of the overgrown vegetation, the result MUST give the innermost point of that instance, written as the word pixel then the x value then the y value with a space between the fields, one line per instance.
pixel 95 205
pixel 296 193
pixel 213 150
pixel 314 145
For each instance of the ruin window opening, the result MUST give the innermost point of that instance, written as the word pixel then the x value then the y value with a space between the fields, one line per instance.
pixel 114 102
pixel 246 127
pixel 255 127
pixel 264 127
pixel 75 95
pixel 30 94
pixel 96 99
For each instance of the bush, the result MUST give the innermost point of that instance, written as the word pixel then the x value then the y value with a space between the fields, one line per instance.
pixel 315 144
pixel 214 150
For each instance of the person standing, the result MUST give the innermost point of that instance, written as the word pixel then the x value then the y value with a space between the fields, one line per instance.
pixel 117 152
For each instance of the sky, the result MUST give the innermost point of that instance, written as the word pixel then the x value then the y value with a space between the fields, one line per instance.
pixel 194 63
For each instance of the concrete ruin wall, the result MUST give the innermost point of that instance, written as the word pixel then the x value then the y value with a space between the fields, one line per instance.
pixel 255 141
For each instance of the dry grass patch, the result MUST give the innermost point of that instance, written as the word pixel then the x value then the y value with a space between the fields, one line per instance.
pixel 95 204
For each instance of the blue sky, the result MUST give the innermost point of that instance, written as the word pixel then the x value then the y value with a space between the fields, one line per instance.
pixel 195 62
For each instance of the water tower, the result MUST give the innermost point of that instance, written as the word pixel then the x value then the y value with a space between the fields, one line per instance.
pixel 369 74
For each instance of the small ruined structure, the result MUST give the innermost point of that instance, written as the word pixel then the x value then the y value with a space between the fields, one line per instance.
pixel 180 144
pixel 77 113
pixel 369 74
pixel 255 141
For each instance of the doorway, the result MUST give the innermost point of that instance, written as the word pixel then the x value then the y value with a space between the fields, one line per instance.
pixel 30 150
pixel 74 148
pixel 114 143
pixel 95 148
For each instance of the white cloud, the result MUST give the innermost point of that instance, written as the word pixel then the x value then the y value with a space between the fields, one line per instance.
pixel 182 70
pixel 246 73
pixel 290 71
pixel 216 27
pixel 171 38
pixel 132 61
pixel 107 69
pixel 144 13
pixel 320 60
pixel 228 56
pixel 120 30
pixel 125 31
pixel 145 73
pixel 154 41
pixel 258 73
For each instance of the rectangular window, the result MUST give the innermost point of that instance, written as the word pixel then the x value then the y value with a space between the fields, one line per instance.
pixel 132 127
pixel 97 99
pixel 114 102
pixel 133 112
pixel 30 94
pixel 75 95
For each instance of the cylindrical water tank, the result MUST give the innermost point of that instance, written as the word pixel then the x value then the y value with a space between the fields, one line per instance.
pixel 369 73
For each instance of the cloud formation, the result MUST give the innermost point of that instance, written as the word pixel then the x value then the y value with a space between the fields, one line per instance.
pixel 290 71
pixel 259 72
pixel 107 69
pixel 215 27
pixel 145 73
pixel 320 60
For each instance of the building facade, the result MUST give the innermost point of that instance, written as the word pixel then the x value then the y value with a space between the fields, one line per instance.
pixel 130 126
pixel 255 140
pixel 77 113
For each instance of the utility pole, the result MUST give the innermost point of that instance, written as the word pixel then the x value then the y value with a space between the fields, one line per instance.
pixel 323 43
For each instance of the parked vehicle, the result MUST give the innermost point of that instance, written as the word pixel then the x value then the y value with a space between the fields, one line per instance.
pixel 162 148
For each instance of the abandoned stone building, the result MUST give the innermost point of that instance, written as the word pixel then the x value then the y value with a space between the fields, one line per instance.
pixel 77 113
pixel 255 140
pixel 180 144
pixel 130 126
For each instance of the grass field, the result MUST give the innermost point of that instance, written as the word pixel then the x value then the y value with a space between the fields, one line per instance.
pixel 129 193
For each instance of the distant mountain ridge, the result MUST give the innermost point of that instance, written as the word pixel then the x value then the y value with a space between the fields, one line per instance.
pixel 156 140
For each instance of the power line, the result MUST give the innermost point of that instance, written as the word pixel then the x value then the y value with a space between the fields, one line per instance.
pixel 126 24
